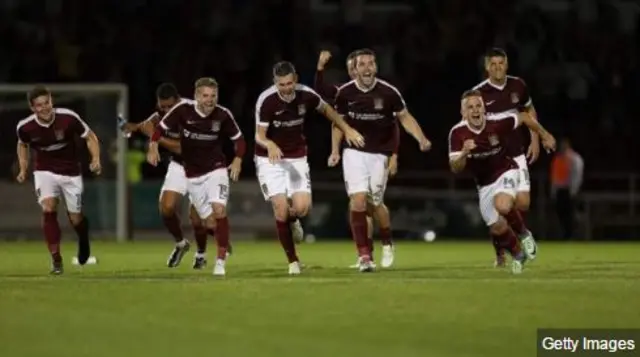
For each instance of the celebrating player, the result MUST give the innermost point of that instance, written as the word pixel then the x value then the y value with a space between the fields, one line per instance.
pixel 202 125
pixel 504 95
pixel 281 151
pixel 380 212
pixel 478 145
pixel 174 186
pixel 52 134
pixel 372 106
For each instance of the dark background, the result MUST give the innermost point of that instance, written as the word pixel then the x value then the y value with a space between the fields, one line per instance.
pixel 579 58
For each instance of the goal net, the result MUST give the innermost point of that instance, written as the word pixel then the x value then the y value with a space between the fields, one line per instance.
pixel 105 197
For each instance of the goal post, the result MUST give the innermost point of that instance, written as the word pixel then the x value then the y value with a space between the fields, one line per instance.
pixel 99 104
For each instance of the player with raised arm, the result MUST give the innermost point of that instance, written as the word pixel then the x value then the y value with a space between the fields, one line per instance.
pixel 51 133
pixel 380 213
pixel 174 186
pixel 504 95
pixel 202 125
pixel 372 106
pixel 479 146
pixel 281 151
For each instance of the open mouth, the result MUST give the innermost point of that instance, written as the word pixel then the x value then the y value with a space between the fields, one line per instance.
pixel 475 116
pixel 367 76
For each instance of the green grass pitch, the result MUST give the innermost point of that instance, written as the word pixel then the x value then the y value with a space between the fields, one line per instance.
pixel 441 299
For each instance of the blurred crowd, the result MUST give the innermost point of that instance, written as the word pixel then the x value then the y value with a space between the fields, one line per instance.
pixel 578 57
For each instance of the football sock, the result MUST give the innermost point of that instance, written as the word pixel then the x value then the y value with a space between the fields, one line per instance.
pixel 286 240
pixel 172 223
pixel 515 222
pixel 84 249
pixel 359 231
pixel 52 233
pixel 509 240
pixel 222 236
pixel 200 235
pixel 385 236
pixel 497 245
pixel 370 245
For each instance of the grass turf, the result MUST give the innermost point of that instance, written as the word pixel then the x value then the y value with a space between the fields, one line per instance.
pixel 441 299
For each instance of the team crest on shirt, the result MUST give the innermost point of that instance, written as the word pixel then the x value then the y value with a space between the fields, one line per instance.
pixel 59 134
pixel 215 126
pixel 515 98
pixel 493 140
pixel 378 104
pixel 302 110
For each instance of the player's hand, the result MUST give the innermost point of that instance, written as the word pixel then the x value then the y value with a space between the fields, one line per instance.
pixel 549 142
pixel 275 154
pixel 129 128
pixel 354 138
pixel 22 176
pixel 334 159
pixel 153 155
pixel 323 59
pixel 534 151
pixel 95 166
pixel 425 144
pixel 235 168
pixel 468 146
pixel 393 165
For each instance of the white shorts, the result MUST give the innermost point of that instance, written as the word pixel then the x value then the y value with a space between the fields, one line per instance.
pixel 525 180
pixel 175 180
pixel 286 177
pixel 208 189
pixel 50 185
pixel 507 183
pixel 365 172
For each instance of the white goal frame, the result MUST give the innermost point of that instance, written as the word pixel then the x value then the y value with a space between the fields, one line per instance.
pixel 122 207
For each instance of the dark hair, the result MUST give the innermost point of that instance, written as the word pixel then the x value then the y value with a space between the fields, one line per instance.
pixel 167 91
pixel 37 91
pixel 206 82
pixel 283 68
pixel 495 52
pixel 471 93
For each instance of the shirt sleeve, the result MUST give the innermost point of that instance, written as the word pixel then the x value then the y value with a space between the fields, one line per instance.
pixel 263 114
pixel 230 126
pixel 397 101
pixel 341 103
pixel 22 134
pixel 455 144
pixel 525 98
pixel 171 120
pixel 78 126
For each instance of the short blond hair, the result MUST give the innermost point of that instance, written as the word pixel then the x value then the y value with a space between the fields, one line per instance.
pixel 206 82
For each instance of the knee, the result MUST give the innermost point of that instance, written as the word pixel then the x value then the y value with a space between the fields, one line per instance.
pixel 210 222
pixel 301 207
pixel 358 202
pixel 523 201
pixel 75 218
pixel 167 209
pixel 503 203
pixel 49 205
pixel 280 209
pixel 219 211
pixel 499 228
